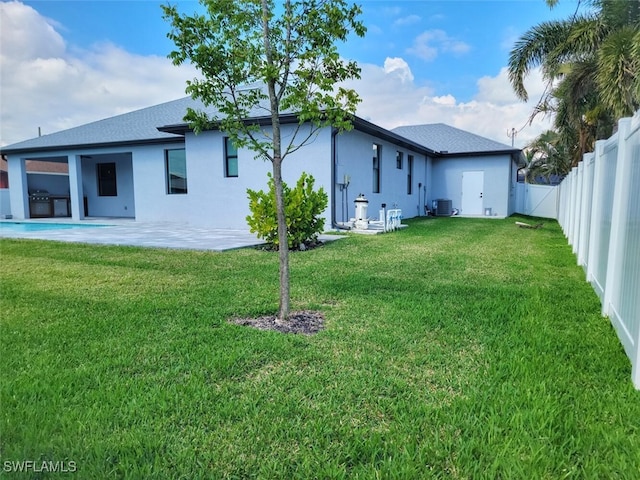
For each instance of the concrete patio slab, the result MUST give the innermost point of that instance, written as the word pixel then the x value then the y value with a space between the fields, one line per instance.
pixel 131 233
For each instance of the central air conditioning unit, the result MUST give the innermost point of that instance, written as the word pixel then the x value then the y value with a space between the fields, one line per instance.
pixel 443 207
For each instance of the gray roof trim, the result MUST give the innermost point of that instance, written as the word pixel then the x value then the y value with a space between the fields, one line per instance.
pixel 358 123
pixel 87 146
pixel 183 128
pixel 481 152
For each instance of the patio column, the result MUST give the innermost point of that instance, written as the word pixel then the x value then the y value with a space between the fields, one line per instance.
pixel 18 187
pixel 75 187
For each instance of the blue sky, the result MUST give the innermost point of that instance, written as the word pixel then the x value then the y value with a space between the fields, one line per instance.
pixel 69 62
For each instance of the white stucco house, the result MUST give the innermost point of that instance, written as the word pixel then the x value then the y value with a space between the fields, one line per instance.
pixel 149 166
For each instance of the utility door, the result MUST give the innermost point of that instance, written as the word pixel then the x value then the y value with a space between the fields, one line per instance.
pixel 472 192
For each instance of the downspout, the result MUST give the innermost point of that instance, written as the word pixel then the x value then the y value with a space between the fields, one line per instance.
pixel 334 223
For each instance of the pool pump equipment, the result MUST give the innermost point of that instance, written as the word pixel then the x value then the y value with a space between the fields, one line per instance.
pixel 362 204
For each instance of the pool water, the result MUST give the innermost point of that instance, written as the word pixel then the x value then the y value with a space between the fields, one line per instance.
pixel 37 227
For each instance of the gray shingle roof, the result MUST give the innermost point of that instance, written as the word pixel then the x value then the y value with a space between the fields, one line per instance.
pixel 139 126
pixel 444 138
pixel 136 126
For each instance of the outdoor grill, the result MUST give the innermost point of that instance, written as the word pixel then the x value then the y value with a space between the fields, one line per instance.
pixel 40 204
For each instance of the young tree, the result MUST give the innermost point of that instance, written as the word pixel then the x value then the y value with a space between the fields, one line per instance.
pixel 277 56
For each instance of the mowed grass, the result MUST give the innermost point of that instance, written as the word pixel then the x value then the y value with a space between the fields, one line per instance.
pixel 455 348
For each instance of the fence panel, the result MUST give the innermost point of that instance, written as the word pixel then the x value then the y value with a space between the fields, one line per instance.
pixel 599 212
pixel 537 200
pixel 623 274
pixel 606 160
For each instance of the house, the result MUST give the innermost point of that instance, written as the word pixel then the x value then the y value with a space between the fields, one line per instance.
pixel 479 175
pixel 148 165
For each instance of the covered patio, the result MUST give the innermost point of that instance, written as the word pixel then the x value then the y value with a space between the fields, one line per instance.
pixel 76 186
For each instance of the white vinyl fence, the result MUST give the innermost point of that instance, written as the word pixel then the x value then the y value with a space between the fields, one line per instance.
pixel 599 211
pixel 537 200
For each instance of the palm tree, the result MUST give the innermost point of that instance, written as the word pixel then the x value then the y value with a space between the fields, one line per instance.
pixel 592 65
pixel 547 158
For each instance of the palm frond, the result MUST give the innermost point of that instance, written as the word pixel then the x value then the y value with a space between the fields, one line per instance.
pixel 618 71
pixel 533 49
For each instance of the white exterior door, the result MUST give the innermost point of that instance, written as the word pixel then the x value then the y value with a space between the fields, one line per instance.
pixel 472 192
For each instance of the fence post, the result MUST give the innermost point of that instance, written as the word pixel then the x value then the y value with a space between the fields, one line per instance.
pixel 585 211
pixel 618 215
pixel 635 368
pixel 565 205
pixel 562 204
pixel 572 204
pixel 577 220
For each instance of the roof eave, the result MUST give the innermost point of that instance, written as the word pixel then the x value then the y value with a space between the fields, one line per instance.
pixel 445 154
pixel 183 128
pixel 81 146
pixel 358 123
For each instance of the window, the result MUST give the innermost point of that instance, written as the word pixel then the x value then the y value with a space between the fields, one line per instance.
pixel 107 185
pixel 230 158
pixel 399 158
pixel 409 174
pixel 377 151
pixel 176 168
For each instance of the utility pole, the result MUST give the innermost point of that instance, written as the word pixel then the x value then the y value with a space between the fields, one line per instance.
pixel 512 135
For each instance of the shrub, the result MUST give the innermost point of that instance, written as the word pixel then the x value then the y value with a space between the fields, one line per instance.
pixel 303 207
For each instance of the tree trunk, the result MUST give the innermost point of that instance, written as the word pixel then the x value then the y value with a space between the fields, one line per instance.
pixel 283 250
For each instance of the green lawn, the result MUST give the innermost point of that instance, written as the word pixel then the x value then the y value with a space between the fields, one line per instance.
pixel 455 348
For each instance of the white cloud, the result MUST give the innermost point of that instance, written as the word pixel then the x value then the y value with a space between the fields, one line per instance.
pixel 408 20
pixel 391 99
pixel 398 67
pixel 444 100
pixel 430 43
pixel 27 35
pixel 46 85
pixel 388 92
pixel 498 89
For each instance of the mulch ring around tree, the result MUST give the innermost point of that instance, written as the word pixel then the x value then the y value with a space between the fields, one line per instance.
pixel 306 322
pixel 270 247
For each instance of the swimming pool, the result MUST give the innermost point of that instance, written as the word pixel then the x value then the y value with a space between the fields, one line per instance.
pixel 38 227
